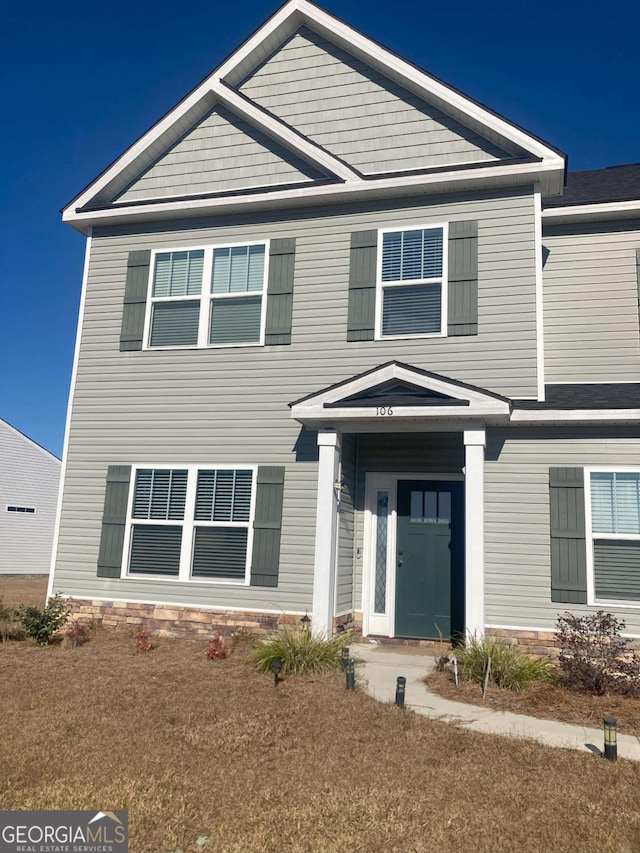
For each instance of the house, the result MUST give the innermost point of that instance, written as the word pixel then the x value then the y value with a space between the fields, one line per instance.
pixel 29 485
pixel 349 346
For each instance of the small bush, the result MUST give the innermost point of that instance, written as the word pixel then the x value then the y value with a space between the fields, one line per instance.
pixel 510 668
pixel 594 658
pixel 301 651
pixel 143 643
pixel 9 627
pixel 42 623
pixel 76 635
pixel 215 649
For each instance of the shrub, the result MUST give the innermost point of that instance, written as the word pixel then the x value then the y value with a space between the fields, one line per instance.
pixel 76 635
pixel 42 623
pixel 594 658
pixel 8 623
pixel 143 643
pixel 510 667
pixel 215 649
pixel 301 651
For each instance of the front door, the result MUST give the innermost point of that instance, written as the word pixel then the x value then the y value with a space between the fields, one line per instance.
pixel 429 600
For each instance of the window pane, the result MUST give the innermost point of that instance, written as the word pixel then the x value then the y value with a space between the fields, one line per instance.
pixel 220 552
pixel 175 324
pixel 416 507
pixel 411 310
pixel 160 494
pixel 444 506
pixel 155 549
pixel 178 273
pixel 238 269
pixel 235 321
pixel 380 596
pixel 627 515
pixel 615 502
pixel 616 569
pixel 223 495
pixel 412 255
pixel 430 506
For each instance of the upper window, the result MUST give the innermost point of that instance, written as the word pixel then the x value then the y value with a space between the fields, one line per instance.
pixel 412 283
pixel 191 523
pixel 615 535
pixel 29 510
pixel 208 297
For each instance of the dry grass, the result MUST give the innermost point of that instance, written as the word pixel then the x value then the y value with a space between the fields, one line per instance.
pixel 195 747
pixel 544 700
pixel 16 590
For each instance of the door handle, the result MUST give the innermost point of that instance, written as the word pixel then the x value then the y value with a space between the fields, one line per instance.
pixel 399 562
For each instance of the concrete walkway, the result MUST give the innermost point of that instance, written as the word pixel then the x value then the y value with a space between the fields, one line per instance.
pixel 380 668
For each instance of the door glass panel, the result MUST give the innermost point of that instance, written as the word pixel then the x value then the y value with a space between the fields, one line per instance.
pixel 430 506
pixel 380 591
pixel 444 507
pixel 416 506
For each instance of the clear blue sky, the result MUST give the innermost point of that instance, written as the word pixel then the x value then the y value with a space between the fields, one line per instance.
pixel 81 81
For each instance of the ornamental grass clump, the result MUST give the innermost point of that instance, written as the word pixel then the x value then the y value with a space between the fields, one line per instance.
pixel 510 668
pixel 301 651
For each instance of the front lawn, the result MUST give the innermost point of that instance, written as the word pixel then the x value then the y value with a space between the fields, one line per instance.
pixel 194 748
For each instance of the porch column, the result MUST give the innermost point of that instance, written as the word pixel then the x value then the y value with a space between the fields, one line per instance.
pixel 474 444
pixel 324 566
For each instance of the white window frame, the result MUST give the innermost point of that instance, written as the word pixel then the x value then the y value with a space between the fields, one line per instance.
pixel 443 281
pixel 590 536
pixel 188 524
pixel 205 298
pixel 22 509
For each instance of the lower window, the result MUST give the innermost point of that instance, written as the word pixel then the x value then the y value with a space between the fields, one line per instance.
pixel 191 523
pixel 615 533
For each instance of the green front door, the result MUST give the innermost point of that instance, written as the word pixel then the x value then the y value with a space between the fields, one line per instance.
pixel 429 559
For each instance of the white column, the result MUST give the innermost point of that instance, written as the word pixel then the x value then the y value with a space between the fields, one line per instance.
pixel 474 444
pixel 324 566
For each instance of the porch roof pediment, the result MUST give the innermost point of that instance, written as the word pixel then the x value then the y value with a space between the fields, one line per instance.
pixel 402 392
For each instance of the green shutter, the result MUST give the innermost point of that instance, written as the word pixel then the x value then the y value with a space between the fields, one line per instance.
pixel 282 256
pixel 265 559
pixel 135 300
pixel 114 521
pixel 568 545
pixel 463 279
pixel 362 286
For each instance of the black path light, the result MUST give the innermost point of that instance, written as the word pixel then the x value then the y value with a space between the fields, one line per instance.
pixel 276 666
pixel 350 670
pixel 610 738
pixel 306 622
pixel 400 687
pixel 344 657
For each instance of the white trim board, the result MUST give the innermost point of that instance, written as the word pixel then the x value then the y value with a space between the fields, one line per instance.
pixel 67 428
pixel 602 210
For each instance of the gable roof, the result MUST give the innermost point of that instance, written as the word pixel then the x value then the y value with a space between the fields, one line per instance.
pixel 10 430
pixel 614 183
pixel 529 159
pixel 412 393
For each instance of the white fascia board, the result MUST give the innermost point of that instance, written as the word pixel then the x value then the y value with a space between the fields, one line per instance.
pixel 506 175
pixel 609 209
pixel 372 52
pixel 549 416
pixel 273 127
pixel 352 413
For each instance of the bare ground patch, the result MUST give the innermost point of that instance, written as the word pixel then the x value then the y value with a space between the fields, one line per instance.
pixel 195 747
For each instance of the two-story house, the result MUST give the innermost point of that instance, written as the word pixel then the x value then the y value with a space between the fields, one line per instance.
pixel 347 345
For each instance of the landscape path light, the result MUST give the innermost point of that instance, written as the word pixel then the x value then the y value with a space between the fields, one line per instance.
pixel 610 738
pixel 276 666
pixel 350 670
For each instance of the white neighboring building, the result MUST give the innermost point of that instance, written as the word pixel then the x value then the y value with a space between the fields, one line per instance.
pixel 29 481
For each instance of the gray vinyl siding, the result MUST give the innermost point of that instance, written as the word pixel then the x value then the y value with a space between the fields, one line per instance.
pixel 591 323
pixel 231 405
pixel 517 531
pixel 356 113
pixel 221 153
pixel 29 477
pixel 345 580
